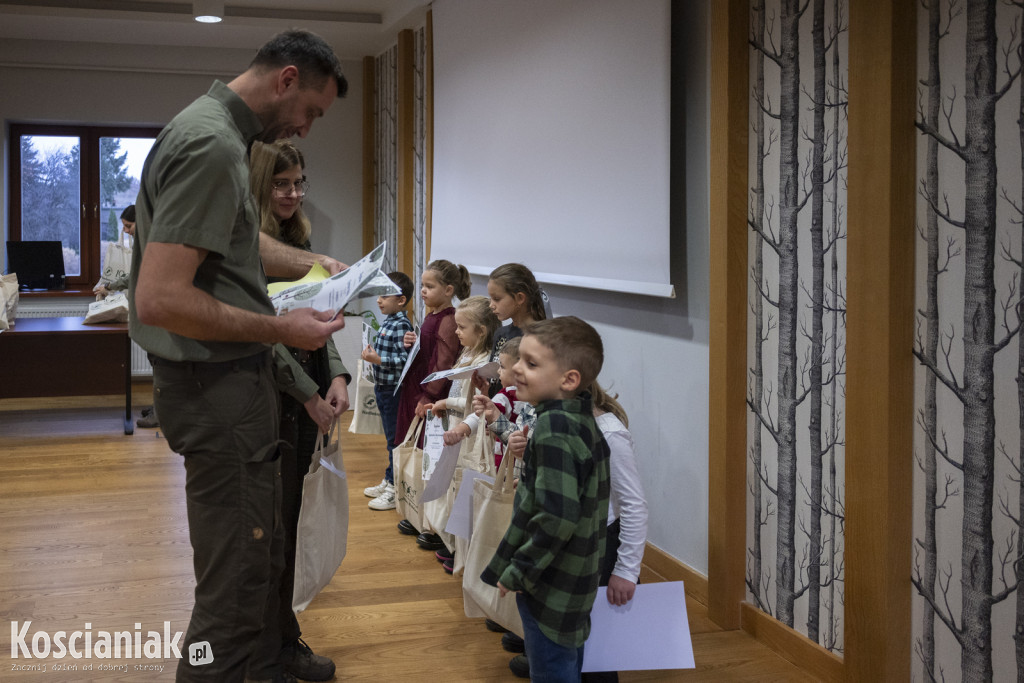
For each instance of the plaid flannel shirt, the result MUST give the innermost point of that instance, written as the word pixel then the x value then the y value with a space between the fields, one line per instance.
pixel 391 349
pixel 553 548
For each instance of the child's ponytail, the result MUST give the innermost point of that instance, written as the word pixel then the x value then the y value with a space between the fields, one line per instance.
pixel 464 284
pixel 455 275
pixel 608 403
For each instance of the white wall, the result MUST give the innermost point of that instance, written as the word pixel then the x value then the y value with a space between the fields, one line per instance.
pixel 656 350
pixel 80 83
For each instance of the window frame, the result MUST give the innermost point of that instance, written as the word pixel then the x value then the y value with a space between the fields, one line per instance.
pixel 90 221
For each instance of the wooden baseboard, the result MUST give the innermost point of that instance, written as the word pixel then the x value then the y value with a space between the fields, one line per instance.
pixel 784 641
pixel 660 566
pixel 790 644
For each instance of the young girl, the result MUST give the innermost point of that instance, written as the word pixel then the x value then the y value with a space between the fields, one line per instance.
pixel 516 296
pixel 439 345
pixel 627 521
pixel 475 325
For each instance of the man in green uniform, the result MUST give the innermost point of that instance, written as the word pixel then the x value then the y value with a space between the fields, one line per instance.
pixel 199 306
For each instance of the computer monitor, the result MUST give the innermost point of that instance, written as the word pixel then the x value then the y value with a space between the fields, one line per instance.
pixel 38 264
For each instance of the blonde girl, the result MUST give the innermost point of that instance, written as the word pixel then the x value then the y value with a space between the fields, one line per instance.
pixel 627 514
pixel 475 326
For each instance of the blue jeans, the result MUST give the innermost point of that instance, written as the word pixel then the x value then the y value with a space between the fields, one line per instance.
pixel 387 404
pixel 549 661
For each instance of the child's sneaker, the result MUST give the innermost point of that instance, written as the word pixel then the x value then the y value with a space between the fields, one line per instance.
pixel 374 491
pixel 385 501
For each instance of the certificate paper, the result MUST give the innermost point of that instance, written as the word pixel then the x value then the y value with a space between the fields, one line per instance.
pixel 460 521
pixel 487 370
pixel 441 477
pixel 433 444
pixel 369 338
pixel 408 362
pixel 333 293
pixel 651 631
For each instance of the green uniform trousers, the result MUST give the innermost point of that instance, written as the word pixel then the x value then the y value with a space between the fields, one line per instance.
pixel 223 419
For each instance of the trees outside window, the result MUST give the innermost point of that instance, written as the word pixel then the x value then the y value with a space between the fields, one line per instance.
pixel 70 183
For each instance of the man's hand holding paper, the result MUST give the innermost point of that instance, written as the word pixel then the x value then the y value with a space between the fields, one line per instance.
pixel 308 329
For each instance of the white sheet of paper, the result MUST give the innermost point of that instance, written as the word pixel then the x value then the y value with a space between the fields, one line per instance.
pixel 651 631
pixel 441 477
pixel 408 362
pixel 369 337
pixel 487 371
pixel 460 520
pixel 433 444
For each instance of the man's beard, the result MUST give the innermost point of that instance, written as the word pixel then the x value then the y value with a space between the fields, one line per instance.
pixel 273 130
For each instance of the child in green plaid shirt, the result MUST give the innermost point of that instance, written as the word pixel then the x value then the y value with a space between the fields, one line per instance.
pixel 551 554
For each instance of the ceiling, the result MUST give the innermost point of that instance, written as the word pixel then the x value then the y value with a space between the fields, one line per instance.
pixel 355 28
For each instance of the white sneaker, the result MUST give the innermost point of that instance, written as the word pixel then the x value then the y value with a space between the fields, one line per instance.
pixel 374 491
pixel 385 501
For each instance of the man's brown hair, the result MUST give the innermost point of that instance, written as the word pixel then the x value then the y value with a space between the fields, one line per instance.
pixel 575 344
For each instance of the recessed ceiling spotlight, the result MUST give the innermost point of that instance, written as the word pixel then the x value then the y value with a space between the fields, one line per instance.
pixel 208 11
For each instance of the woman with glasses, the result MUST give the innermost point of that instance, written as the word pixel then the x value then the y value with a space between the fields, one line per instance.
pixel 314 385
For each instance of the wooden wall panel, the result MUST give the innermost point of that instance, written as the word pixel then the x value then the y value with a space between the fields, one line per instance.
pixel 727 442
pixel 880 316
pixel 369 124
pixel 406 171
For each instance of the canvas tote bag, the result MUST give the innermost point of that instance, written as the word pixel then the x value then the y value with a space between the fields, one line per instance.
pixel 8 300
pixel 322 536
pixel 492 514
pixel 408 469
pixel 437 511
pixel 365 415
pixel 117 261
pixel 479 457
pixel 113 309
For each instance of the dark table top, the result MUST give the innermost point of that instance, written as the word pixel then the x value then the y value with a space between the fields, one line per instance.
pixel 50 325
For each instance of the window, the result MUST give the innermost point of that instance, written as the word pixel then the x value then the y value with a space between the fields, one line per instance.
pixel 71 183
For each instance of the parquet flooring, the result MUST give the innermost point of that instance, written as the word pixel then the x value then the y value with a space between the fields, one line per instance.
pixel 92 529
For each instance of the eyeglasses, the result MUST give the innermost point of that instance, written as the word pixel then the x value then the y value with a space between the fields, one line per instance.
pixel 283 188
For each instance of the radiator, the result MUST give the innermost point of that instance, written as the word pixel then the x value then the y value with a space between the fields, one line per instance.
pixel 74 309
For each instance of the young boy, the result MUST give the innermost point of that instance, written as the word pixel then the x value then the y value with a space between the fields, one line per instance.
pixel 550 556
pixel 389 355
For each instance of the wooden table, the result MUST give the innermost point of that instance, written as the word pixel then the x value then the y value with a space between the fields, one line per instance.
pixel 64 357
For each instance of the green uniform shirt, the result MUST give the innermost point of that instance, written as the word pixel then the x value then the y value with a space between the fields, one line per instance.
pixel 553 548
pixel 195 191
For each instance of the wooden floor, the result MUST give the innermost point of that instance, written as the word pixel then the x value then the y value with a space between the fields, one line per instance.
pixel 93 529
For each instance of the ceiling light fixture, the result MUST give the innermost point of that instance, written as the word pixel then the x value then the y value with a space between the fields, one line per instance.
pixel 208 11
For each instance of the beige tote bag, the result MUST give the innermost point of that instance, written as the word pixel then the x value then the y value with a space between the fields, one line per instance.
pixel 408 469
pixel 322 535
pixel 492 514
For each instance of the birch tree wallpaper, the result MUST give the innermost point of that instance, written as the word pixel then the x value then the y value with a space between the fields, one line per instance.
pixel 969 386
pixel 385 156
pixel 796 348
